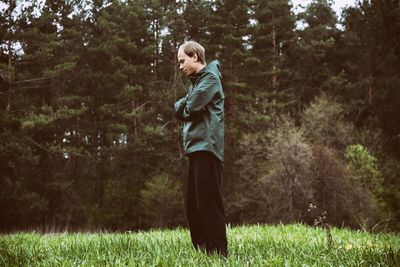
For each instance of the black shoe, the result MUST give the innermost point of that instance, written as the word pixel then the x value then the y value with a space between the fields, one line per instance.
pixel 219 252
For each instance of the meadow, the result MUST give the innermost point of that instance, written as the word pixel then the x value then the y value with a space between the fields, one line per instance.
pixel 256 245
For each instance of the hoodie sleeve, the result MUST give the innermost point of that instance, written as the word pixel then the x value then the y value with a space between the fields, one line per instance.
pixel 202 95
pixel 179 106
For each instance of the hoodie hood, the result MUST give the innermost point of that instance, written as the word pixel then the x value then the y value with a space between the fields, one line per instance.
pixel 214 68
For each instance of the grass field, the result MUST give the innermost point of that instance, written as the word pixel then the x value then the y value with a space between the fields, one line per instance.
pixel 258 245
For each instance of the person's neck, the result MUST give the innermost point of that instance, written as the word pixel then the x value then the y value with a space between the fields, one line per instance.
pixel 199 67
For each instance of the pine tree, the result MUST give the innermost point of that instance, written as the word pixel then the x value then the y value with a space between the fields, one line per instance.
pixel 313 58
pixel 265 75
pixel 371 56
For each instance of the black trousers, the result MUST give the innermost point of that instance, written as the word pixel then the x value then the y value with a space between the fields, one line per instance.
pixel 204 207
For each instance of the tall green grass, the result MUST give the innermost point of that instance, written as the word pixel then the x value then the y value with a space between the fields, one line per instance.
pixel 258 245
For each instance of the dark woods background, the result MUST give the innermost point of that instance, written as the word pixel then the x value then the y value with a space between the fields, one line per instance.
pixel 87 135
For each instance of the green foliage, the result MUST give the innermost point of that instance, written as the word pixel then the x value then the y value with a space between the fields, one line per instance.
pixel 88 136
pixel 331 191
pixel 47 116
pixel 17 163
pixel 275 168
pixel 364 167
pixel 161 201
pixel 130 92
pixel 314 59
pixel 324 121
pixel 371 63
pixel 290 158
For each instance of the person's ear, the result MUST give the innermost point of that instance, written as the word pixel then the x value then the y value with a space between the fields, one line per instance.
pixel 195 57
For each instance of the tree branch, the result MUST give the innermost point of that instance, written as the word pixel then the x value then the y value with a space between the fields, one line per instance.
pixel 32 80
pixel 49 151
pixel 35 143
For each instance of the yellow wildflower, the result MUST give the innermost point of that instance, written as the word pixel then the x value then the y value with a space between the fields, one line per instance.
pixel 349 246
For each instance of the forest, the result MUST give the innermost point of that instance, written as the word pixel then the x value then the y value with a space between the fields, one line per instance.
pixel 88 138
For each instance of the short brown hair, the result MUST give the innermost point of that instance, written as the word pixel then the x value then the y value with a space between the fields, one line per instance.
pixel 191 48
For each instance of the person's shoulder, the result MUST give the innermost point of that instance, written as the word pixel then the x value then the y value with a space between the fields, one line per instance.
pixel 209 74
pixel 210 77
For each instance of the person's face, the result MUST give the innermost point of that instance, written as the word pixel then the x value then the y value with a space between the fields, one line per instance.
pixel 187 64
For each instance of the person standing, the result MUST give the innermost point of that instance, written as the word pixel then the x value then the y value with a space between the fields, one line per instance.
pixel 202 111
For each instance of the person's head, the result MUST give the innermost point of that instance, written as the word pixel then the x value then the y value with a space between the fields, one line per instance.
pixel 191 57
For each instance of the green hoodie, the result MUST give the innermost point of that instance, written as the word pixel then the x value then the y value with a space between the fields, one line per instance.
pixel 202 111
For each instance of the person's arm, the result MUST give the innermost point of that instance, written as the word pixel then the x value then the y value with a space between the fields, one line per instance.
pixel 179 107
pixel 202 95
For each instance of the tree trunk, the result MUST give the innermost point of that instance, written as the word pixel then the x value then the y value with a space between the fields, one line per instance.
pixel 370 94
pixel 135 133
pixel 130 62
pixel 101 185
pixel 291 199
pixel 9 46
pixel 130 75
pixel 274 66
pixel 156 52
pixel 176 72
